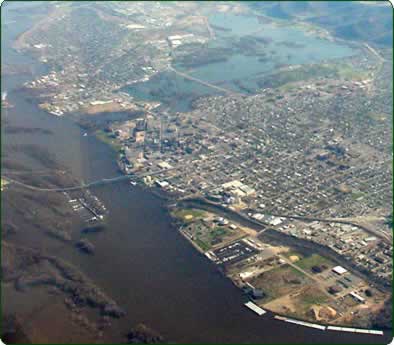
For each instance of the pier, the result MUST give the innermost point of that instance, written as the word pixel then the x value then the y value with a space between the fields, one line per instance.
pixel 354 330
pixel 328 328
pixel 259 311
pixel 90 209
pixel 301 323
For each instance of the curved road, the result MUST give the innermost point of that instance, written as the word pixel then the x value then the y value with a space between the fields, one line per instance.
pixel 201 202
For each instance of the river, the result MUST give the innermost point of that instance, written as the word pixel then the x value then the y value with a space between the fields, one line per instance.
pixel 141 260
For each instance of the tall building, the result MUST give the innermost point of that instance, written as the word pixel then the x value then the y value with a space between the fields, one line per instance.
pixel 140 130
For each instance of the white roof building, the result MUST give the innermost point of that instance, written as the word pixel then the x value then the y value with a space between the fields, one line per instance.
pixel 275 221
pixel 339 270
pixel 357 297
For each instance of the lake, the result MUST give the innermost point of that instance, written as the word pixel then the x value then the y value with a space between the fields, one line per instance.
pixel 256 47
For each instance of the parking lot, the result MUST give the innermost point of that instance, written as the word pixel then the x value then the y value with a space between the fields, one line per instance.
pixel 234 252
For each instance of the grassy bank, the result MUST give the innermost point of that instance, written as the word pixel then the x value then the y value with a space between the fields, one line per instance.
pixel 107 139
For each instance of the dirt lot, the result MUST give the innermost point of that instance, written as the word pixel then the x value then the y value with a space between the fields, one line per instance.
pixel 106 108
pixel 280 281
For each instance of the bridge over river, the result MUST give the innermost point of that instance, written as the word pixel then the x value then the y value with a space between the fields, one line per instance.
pixel 89 184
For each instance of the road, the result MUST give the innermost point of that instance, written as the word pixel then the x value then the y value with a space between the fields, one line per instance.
pixel 205 83
pixel 67 189
pixel 87 185
pixel 309 275
pixel 373 51
pixel 384 236
pixel 199 201
pixel 381 235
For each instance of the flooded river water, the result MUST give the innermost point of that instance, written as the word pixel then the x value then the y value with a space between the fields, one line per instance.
pixel 251 48
pixel 141 260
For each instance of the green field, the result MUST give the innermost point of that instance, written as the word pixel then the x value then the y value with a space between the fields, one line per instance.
pixel 314 260
pixel 204 246
pixel 312 296
pixel 218 233
pixel 348 72
pixel 284 79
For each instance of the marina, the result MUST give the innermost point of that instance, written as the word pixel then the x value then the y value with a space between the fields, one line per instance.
pixel 89 208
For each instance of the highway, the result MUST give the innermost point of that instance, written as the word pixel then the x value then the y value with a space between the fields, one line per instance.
pixel 205 83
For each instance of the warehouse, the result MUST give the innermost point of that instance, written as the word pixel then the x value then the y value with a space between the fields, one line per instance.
pixel 339 270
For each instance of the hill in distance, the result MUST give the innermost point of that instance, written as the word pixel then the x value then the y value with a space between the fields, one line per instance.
pixel 370 22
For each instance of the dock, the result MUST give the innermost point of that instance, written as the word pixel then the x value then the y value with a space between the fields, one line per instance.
pixel 301 323
pixel 210 256
pixel 95 214
pixel 259 311
pixel 328 328
pixel 354 330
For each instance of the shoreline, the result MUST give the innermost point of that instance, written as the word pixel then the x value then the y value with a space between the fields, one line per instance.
pixel 270 234
pixel 201 203
pixel 219 209
pixel 168 199
pixel 284 317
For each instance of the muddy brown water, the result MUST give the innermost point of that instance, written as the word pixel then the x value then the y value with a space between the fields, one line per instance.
pixel 141 260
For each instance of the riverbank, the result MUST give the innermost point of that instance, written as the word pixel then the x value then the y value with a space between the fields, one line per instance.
pixel 266 240
pixel 144 264
pixel 268 232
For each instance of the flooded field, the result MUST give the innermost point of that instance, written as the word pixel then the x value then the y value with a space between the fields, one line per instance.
pixel 245 49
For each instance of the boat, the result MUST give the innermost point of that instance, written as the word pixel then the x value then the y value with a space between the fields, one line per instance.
pixel 133 183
